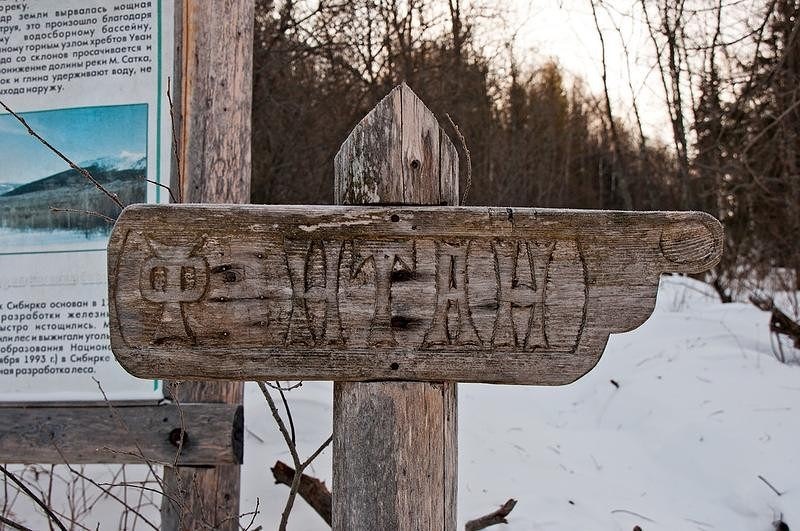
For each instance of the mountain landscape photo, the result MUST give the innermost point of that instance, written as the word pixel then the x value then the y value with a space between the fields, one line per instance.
pixel 45 205
pixel 27 207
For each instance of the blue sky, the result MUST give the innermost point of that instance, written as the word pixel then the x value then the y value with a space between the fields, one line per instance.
pixel 81 134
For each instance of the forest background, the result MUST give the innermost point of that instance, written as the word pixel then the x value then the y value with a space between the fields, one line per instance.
pixel 724 74
pixel 693 105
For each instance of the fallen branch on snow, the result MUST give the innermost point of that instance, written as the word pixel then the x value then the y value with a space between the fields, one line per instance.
pixel 312 490
pixel 497 517
pixel 780 323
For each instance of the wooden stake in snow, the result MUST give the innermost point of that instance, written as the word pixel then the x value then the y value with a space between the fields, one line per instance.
pixel 415 297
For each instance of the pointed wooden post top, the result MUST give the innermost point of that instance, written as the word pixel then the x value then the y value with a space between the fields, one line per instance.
pixel 397 150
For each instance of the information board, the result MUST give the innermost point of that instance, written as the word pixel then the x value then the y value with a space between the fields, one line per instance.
pixel 89 76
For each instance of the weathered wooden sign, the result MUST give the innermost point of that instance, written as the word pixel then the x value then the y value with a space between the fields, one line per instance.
pixel 478 294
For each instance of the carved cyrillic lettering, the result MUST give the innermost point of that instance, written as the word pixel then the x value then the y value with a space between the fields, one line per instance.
pixel 451 292
pixel 565 299
pixel 521 269
pixel 173 277
pixel 385 260
pixel 301 331
pixel 349 293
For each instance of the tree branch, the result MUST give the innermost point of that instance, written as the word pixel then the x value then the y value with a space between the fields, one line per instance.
pixel 33 497
pixel 312 490
pixel 497 517
pixel 780 323
pixel 14 525
pixel 299 466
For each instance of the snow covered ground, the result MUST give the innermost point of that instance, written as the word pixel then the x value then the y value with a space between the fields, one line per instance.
pixel 702 410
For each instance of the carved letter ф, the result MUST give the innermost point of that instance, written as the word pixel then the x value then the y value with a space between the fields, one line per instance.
pixel 172 277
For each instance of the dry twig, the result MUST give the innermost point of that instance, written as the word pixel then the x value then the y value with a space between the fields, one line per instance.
pixel 494 518
pixel 780 323
pixel 107 491
pixel 124 426
pixel 167 188
pixel 288 412
pixel 467 160
pixel 174 145
pixel 87 212
pixel 278 387
pixel 300 466
pixel 254 513
pixel 770 485
pixel 33 497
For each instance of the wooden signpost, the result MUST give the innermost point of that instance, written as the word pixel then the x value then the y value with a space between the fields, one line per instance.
pixel 477 294
pixel 410 299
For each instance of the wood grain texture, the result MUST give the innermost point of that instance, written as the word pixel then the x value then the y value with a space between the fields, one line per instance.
pixel 216 74
pixel 415 481
pixel 126 434
pixel 389 473
pixel 449 459
pixel 472 294
pixel 214 68
pixel 397 154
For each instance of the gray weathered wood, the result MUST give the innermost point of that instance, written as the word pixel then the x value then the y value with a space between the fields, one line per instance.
pixel 82 403
pixel 124 434
pixel 396 467
pixel 214 68
pixel 215 73
pixel 390 468
pixel 397 154
pixel 471 294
